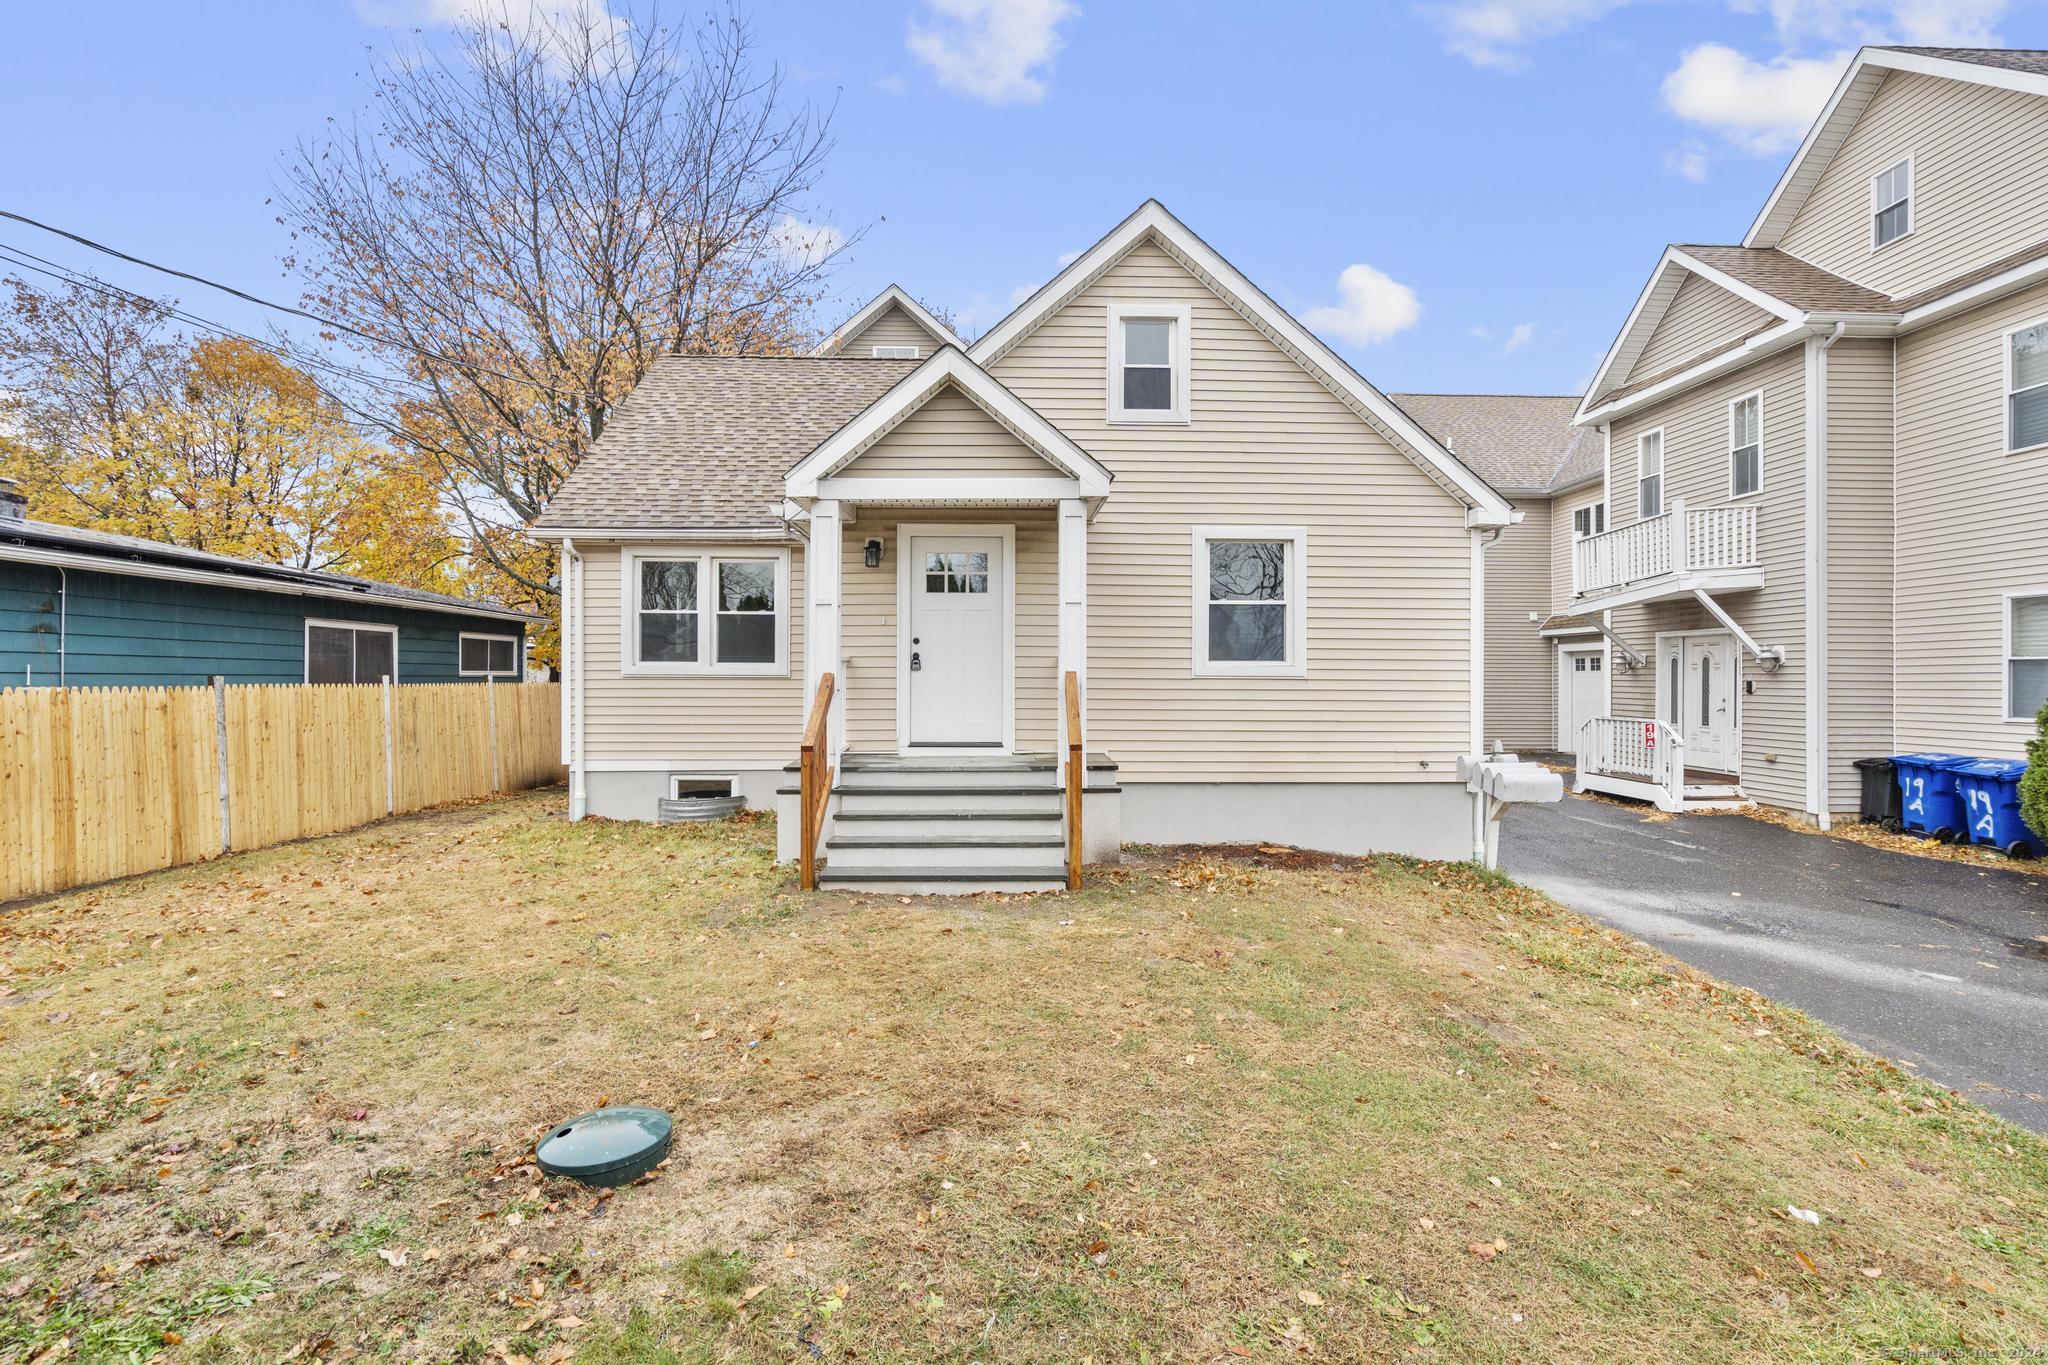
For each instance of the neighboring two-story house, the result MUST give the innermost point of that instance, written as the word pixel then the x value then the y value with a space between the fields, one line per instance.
pixel 1827 457
pixel 1148 509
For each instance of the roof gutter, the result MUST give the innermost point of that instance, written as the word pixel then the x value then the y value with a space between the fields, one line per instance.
pixel 65 559
pixel 775 534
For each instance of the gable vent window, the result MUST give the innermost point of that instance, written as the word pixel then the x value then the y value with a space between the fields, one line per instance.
pixel 1746 446
pixel 897 352
pixel 2026 388
pixel 1891 204
pixel 1148 363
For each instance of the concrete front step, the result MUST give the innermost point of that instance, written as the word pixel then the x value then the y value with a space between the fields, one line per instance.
pixel 940 881
pixel 954 800
pixel 890 823
pixel 1048 856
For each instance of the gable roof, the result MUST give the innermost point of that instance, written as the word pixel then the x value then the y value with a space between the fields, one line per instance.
pixel 136 557
pixel 948 368
pixel 1518 442
pixel 2016 69
pixel 1151 222
pixel 894 296
pixel 704 441
pixel 1785 277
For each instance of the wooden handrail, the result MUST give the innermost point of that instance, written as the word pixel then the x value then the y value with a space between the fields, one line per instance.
pixel 814 784
pixel 1077 771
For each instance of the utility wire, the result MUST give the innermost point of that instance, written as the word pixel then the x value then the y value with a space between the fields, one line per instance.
pixel 290 309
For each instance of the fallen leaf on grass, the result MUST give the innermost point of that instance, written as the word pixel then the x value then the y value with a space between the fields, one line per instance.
pixel 1311 1298
pixel 1806 1262
pixel 393 1258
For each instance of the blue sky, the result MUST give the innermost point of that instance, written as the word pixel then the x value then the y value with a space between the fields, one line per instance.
pixel 1461 196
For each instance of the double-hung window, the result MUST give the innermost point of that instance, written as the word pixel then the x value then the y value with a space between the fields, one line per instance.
pixel 1148 362
pixel 1650 473
pixel 706 613
pixel 1891 203
pixel 2026 388
pixel 1251 606
pixel 2026 656
pixel 347 652
pixel 1746 446
pixel 487 656
pixel 1589 521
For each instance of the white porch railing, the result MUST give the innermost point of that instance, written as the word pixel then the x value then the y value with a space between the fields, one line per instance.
pixel 1681 541
pixel 1637 750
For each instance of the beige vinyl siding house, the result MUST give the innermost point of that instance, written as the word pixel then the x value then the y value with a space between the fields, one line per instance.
pixel 1521 708
pixel 1262 579
pixel 1867 587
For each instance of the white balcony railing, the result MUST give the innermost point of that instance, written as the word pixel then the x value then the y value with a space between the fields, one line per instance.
pixel 1682 541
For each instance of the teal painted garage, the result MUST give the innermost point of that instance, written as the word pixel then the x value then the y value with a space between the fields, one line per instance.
pixel 86 609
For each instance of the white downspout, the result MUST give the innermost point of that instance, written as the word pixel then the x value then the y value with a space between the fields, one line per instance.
pixel 572 683
pixel 1817 574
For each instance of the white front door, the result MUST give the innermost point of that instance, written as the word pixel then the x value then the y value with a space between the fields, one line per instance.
pixel 958 601
pixel 1698 690
pixel 1581 691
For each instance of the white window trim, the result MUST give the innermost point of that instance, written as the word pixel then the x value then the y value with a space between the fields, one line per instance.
pixel 485 672
pixel 306 644
pixel 898 352
pixel 1662 452
pixel 1181 315
pixel 1734 403
pixel 1589 509
pixel 1295 665
pixel 2006 400
pixel 2006 656
pixel 1912 192
pixel 630 664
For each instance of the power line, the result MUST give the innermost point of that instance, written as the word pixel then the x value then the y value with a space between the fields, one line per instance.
pixel 290 309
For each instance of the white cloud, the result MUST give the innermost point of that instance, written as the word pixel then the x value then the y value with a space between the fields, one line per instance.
pixel 805 244
pixel 515 14
pixel 1482 333
pixel 1373 307
pixel 996 51
pixel 1688 160
pixel 1519 338
pixel 1760 106
pixel 891 84
pixel 1495 32
pixel 1932 23
pixel 1067 258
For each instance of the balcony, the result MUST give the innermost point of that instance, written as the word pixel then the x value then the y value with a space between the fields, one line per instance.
pixel 1686 550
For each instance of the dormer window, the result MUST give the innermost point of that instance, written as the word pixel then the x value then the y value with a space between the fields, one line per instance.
pixel 1148 362
pixel 1891 204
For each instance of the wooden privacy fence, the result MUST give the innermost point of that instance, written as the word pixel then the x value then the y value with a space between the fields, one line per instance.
pixel 105 782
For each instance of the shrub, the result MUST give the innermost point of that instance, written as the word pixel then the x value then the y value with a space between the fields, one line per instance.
pixel 2034 784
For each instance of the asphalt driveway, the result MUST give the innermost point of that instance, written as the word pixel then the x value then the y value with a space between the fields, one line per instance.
pixel 1938 965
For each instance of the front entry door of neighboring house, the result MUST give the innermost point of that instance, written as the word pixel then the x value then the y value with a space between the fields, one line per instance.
pixel 1697 688
pixel 959 599
pixel 1582 690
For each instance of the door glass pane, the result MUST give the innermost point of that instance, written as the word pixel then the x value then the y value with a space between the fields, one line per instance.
pixel 935 582
pixel 1594 663
pixel 1148 341
pixel 1673 708
pixel 1247 632
pixel 1706 691
pixel 668 585
pixel 2030 418
pixel 1248 570
pixel 1148 389
pixel 374 661
pixel 330 655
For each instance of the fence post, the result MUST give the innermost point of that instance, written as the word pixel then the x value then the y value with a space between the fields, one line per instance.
pixel 390 781
pixel 220 749
pixel 491 704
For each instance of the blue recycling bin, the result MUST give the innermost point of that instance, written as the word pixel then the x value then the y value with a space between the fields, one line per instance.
pixel 1927 793
pixel 1990 792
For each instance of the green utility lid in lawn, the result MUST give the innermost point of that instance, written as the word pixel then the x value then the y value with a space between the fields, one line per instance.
pixel 607 1147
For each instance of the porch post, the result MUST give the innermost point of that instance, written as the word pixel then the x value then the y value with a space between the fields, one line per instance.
pixel 1074 608
pixel 821 621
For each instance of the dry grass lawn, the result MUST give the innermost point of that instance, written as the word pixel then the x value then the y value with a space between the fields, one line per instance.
pixel 281 1107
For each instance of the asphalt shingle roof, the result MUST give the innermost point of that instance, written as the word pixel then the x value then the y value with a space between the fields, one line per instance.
pixel 2032 60
pixel 1513 441
pixel 704 441
pixel 1785 276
